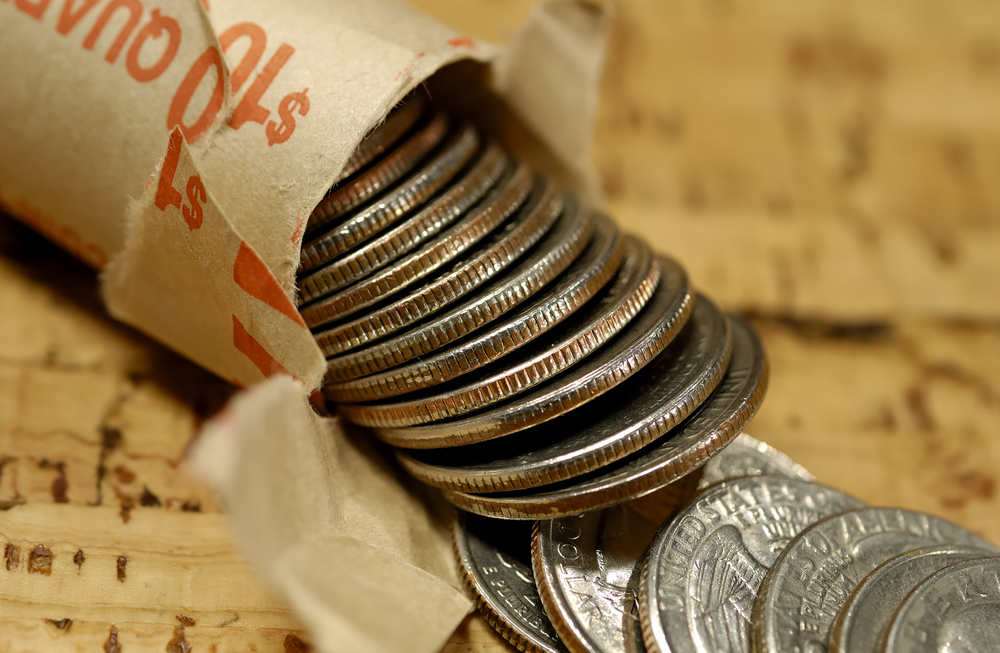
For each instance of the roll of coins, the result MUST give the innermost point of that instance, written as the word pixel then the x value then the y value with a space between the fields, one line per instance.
pixel 533 362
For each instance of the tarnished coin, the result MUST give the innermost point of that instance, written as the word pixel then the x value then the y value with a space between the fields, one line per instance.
pixel 704 568
pixel 610 428
pixel 403 198
pixel 808 584
pixel 956 610
pixel 399 121
pixel 587 570
pixel 414 231
pixel 585 246
pixel 861 623
pixel 495 558
pixel 668 461
pixel 383 174
pixel 454 264
pixel 638 275
pixel 746 456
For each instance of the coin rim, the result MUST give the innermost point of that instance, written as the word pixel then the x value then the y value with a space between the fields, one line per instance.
pixel 432 218
pixel 519 638
pixel 491 303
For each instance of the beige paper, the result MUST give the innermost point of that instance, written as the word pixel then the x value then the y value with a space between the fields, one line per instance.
pixel 332 525
pixel 173 164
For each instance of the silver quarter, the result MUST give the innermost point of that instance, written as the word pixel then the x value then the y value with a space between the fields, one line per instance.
pixel 399 121
pixel 704 568
pixel 587 570
pixel 398 202
pixel 495 559
pixel 597 434
pixel 665 463
pixel 746 456
pixel 860 624
pixel 577 345
pixel 657 326
pixel 813 577
pixel 427 223
pixel 638 273
pixel 469 254
pixel 588 250
pixel 956 610
pixel 342 199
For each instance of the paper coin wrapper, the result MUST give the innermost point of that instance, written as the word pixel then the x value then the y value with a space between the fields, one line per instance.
pixel 180 146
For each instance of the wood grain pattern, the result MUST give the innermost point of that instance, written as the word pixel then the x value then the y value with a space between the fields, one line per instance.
pixel 825 167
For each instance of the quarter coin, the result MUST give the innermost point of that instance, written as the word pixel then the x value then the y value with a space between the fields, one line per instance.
pixel 430 220
pixel 577 339
pixel 811 580
pixel 862 621
pixel 956 610
pixel 380 176
pixel 392 206
pixel 705 566
pixel 399 121
pixel 452 265
pixel 746 456
pixel 638 273
pixel 587 571
pixel 495 560
pixel 588 246
pixel 597 434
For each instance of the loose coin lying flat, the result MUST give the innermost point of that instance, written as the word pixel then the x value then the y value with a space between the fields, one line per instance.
pixel 409 194
pixel 956 610
pixel 746 456
pixel 596 434
pixel 399 121
pixel 396 242
pixel 667 462
pixel 587 571
pixel 495 560
pixel 704 568
pixel 862 621
pixel 588 248
pixel 387 171
pixel 812 578
pixel 637 276
pixel 449 268
pixel 577 345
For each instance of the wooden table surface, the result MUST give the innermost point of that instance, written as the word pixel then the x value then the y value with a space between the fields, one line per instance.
pixel 827 168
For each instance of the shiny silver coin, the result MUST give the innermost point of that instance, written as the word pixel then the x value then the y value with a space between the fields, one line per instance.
pixel 454 264
pixel 587 571
pixel 704 568
pixel 746 456
pixel 383 174
pixel 414 231
pixel 570 390
pixel 667 462
pixel 577 345
pixel 579 255
pixel 638 274
pixel 576 339
pixel 399 121
pixel 956 610
pixel 495 560
pixel 862 621
pixel 406 196
pixel 819 569
pixel 610 428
